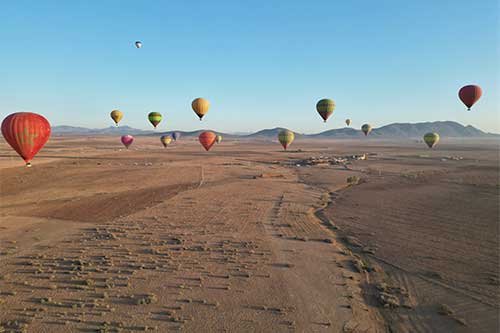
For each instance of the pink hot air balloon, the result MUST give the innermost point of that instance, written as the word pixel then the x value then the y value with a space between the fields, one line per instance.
pixel 127 140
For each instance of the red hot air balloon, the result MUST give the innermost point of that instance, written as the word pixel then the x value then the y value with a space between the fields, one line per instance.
pixel 469 95
pixel 207 139
pixel 26 133
pixel 127 140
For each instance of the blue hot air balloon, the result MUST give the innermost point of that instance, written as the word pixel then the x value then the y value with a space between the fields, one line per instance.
pixel 176 135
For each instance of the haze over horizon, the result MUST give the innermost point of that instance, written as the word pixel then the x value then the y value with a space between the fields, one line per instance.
pixel 261 66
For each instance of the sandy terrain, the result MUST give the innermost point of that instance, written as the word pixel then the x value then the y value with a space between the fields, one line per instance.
pixel 247 238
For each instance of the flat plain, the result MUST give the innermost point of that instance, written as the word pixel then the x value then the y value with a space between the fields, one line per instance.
pixel 329 236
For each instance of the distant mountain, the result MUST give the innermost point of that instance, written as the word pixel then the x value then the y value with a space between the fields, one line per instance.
pixel 449 129
pixel 112 130
pixel 269 133
pixel 396 130
pixel 443 128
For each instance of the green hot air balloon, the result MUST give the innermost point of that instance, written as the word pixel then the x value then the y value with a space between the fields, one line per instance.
pixel 325 108
pixel 366 128
pixel 154 118
pixel 431 139
pixel 286 137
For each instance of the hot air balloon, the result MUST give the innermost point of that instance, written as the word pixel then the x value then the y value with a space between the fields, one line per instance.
pixel 166 140
pixel 127 140
pixel 325 108
pixel 348 122
pixel 366 128
pixel 286 137
pixel 431 139
pixel 116 115
pixel 469 95
pixel 176 135
pixel 218 138
pixel 26 133
pixel 200 106
pixel 138 44
pixel 154 118
pixel 207 139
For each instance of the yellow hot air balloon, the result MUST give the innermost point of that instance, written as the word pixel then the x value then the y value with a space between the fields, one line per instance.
pixel 200 106
pixel 218 138
pixel 431 139
pixel 286 137
pixel 348 122
pixel 166 140
pixel 325 108
pixel 116 115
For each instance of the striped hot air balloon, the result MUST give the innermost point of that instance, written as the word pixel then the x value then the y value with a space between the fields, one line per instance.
pixel 176 135
pixel 154 118
pixel 286 138
pixel 325 108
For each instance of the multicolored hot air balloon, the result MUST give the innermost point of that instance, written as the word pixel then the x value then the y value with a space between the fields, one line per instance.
pixel 366 128
pixel 138 44
pixel 127 140
pixel 469 95
pixel 26 133
pixel 200 106
pixel 166 140
pixel 154 118
pixel 431 139
pixel 218 138
pixel 207 139
pixel 116 115
pixel 176 135
pixel 286 137
pixel 348 122
pixel 325 108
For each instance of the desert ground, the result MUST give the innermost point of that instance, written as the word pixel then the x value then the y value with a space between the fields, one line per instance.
pixel 249 238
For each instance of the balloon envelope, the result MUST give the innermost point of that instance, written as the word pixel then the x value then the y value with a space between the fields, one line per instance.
pixel 348 122
pixel 469 95
pixel 431 139
pixel 218 138
pixel 325 108
pixel 200 106
pixel 366 128
pixel 166 140
pixel 26 133
pixel 154 118
pixel 116 115
pixel 207 139
pixel 286 138
pixel 127 140
pixel 176 135
pixel 138 44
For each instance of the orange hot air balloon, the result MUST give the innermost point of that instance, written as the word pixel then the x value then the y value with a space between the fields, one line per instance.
pixel 469 95
pixel 200 106
pixel 207 139
pixel 26 133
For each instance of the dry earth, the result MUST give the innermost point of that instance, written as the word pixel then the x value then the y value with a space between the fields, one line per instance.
pixel 95 238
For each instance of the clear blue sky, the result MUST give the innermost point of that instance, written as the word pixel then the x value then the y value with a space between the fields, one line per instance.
pixel 260 63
